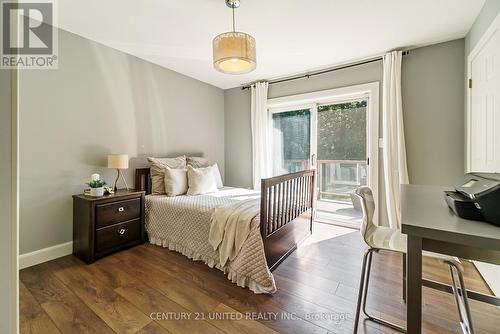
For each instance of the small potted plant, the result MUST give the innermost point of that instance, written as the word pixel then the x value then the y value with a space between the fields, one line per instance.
pixel 96 186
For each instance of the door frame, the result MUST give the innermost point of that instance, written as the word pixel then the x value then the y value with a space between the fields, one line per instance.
pixel 492 29
pixel 9 277
pixel 370 91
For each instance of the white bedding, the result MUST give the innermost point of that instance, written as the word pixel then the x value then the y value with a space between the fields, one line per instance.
pixel 182 223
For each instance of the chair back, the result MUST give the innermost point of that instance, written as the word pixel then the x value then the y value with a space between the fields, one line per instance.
pixel 365 196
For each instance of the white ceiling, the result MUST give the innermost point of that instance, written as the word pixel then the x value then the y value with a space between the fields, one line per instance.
pixel 292 36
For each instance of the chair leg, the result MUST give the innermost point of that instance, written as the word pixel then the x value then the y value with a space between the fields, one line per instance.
pixel 367 282
pixel 466 302
pixel 360 293
pixel 460 294
pixel 404 278
pixel 363 295
pixel 365 298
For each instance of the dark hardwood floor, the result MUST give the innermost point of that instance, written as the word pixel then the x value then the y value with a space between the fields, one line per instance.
pixel 148 289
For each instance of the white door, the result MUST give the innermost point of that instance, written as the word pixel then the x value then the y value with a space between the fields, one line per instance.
pixel 484 104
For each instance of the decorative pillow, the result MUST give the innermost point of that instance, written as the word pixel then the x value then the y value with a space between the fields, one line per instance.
pixel 158 166
pixel 201 181
pixel 198 162
pixel 218 177
pixel 176 182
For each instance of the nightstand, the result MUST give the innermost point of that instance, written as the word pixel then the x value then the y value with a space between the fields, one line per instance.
pixel 103 225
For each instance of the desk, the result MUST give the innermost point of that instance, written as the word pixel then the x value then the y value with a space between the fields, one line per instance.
pixel 432 226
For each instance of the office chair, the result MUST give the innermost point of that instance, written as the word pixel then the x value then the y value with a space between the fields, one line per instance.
pixel 388 239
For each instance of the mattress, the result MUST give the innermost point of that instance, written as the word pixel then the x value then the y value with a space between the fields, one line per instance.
pixel 182 224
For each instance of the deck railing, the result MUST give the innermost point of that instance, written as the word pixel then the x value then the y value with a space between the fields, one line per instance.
pixel 338 178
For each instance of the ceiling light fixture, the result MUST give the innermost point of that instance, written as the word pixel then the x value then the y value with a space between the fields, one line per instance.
pixel 234 52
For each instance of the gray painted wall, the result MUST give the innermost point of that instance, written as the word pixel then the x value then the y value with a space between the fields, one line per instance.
pixel 102 101
pixel 490 10
pixel 6 243
pixel 433 106
pixel 238 138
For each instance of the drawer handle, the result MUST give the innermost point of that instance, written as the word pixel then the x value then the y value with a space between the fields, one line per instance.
pixel 121 209
pixel 122 231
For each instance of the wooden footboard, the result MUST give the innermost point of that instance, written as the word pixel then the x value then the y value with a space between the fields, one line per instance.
pixel 286 213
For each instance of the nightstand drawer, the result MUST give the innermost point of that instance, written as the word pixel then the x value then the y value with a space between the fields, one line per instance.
pixel 117 212
pixel 112 237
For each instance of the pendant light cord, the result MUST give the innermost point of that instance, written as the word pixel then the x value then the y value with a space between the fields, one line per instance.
pixel 234 30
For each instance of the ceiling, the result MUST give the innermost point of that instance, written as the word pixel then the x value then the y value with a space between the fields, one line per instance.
pixel 292 36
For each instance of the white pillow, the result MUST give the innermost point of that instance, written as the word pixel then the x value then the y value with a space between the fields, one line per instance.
pixel 218 177
pixel 201 181
pixel 176 182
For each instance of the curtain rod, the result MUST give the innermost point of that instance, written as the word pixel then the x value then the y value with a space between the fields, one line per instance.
pixel 332 69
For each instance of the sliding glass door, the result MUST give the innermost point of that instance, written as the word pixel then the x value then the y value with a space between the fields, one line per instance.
pixel 342 149
pixel 342 159
pixel 337 136
pixel 291 136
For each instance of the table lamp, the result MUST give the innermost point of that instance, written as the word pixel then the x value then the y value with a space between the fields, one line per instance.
pixel 119 162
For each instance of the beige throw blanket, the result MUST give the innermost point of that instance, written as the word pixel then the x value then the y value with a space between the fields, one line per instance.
pixel 230 227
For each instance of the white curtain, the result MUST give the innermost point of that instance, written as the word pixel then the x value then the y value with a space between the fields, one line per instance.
pixel 261 134
pixel 394 152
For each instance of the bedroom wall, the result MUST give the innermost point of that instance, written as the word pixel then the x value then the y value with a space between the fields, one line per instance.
pixel 102 101
pixel 433 107
pixel 7 255
pixel 238 138
pixel 432 80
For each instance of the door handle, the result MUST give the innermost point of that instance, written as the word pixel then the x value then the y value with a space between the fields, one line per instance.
pixel 313 160
pixel 122 231
pixel 121 209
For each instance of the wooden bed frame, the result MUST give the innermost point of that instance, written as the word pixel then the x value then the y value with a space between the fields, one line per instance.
pixel 286 211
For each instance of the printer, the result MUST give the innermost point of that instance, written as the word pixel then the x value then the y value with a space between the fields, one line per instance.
pixel 477 197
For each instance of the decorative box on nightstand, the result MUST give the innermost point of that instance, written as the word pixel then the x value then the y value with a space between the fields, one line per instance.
pixel 103 225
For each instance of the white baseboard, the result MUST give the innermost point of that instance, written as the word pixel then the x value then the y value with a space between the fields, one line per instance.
pixel 44 255
pixel 491 274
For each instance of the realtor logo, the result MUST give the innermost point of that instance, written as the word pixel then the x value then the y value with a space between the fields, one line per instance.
pixel 29 38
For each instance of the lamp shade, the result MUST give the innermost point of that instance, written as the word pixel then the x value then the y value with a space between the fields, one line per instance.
pixel 234 53
pixel 119 161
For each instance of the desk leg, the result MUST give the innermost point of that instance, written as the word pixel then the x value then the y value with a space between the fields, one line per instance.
pixel 414 275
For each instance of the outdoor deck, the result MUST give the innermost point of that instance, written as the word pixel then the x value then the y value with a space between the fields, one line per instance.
pixel 336 211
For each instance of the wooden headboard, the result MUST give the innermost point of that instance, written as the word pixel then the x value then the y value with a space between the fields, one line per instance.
pixel 143 180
